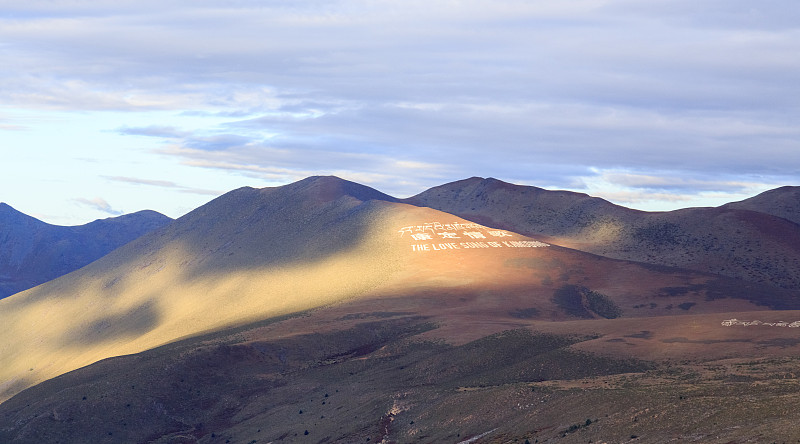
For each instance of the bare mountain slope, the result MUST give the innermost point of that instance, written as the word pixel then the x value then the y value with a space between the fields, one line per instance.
pixel 750 245
pixel 33 252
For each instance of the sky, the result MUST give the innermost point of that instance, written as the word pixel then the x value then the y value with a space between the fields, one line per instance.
pixel 114 106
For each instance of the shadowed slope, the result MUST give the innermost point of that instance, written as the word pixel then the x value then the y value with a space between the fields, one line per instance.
pixel 745 244
pixel 33 252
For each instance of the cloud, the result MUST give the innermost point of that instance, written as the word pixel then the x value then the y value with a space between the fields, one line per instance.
pixel 9 123
pixel 536 143
pixel 6 127
pixel 672 97
pixel 390 173
pixel 212 56
pixel 675 183
pixel 166 132
pixel 659 190
pixel 164 184
pixel 219 142
pixel 98 204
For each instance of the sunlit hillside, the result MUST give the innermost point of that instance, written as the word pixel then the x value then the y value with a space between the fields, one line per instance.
pixel 249 255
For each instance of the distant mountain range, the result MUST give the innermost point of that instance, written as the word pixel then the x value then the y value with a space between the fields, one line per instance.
pixel 477 311
pixel 757 239
pixel 33 252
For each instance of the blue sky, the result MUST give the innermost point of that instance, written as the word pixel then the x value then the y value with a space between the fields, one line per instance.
pixel 109 107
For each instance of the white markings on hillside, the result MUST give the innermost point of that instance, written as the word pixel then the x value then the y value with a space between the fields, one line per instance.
pixel 475 438
pixel 435 236
pixel 732 322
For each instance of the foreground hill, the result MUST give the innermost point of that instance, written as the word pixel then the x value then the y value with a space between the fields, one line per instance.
pixel 452 364
pixel 755 240
pixel 326 311
pixel 33 252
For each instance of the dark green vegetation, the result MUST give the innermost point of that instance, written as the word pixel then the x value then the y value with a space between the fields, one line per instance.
pixel 581 302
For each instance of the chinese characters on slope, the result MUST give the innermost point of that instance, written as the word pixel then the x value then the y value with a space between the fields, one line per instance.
pixel 734 321
pixel 435 236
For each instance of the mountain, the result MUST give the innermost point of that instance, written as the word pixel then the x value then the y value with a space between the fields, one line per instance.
pixel 326 311
pixel 33 252
pixel 751 240
pixel 253 254
pixel 244 256
pixel 782 202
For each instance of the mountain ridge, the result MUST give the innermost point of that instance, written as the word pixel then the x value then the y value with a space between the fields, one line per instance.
pixel 564 217
pixel 728 240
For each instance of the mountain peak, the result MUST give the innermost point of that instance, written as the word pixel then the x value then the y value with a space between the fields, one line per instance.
pixel 329 188
pixel 783 202
pixel 11 216
pixel 6 208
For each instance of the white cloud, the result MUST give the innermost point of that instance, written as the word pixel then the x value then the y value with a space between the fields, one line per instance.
pixel 98 204
pixel 661 190
pixel 165 184
pixel 676 182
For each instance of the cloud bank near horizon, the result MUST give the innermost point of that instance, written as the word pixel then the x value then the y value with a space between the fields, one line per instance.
pixel 660 100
